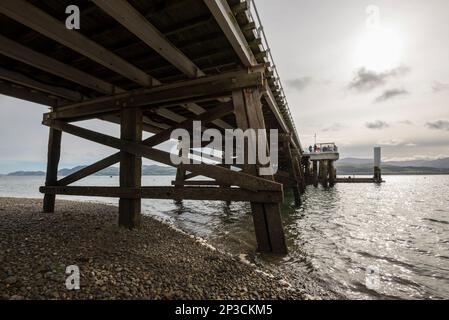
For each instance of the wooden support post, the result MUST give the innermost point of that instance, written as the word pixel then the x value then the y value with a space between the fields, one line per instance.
pixel 306 170
pixel 54 152
pixel 331 170
pixel 324 175
pixel 130 168
pixel 315 173
pixel 267 217
pixel 302 176
pixel 294 169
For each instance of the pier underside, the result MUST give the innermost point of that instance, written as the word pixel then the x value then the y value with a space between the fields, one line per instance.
pixel 154 66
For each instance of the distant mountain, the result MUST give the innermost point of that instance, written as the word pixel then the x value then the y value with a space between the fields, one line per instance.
pixel 26 173
pixel 367 169
pixel 147 170
pixel 438 163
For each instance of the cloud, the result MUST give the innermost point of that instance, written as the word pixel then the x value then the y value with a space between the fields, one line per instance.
pixel 367 80
pixel 391 142
pixel 299 84
pixel 389 94
pixel 377 125
pixel 438 125
pixel 334 127
pixel 406 122
pixel 438 86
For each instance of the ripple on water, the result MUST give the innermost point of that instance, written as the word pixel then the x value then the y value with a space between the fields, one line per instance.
pixel 399 229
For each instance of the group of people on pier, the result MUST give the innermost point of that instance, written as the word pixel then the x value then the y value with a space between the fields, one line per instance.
pixel 325 148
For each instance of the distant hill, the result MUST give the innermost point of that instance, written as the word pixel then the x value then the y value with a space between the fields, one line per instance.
pixel 348 169
pixel 439 163
pixel 147 170
pixel 350 166
pixel 26 173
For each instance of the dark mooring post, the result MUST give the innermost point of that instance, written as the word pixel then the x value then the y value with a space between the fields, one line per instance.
pixel 267 217
pixel 130 168
pixel 302 176
pixel 315 173
pixel 377 160
pixel 306 163
pixel 332 175
pixel 54 152
pixel 325 174
pixel 294 169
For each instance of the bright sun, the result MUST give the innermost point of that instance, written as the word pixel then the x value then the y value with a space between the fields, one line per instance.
pixel 379 49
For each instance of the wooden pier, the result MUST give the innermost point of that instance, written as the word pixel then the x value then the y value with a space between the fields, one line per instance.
pixel 155 66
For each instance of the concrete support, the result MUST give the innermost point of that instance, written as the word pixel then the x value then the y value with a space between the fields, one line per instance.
pixel 130 168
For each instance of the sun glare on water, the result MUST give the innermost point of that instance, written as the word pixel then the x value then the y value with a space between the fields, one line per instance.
pixel 379 49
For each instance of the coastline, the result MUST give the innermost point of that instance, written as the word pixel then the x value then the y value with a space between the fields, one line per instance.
pixel 155 262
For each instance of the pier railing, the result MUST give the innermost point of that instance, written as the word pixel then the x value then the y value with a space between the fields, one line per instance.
pixel 254 17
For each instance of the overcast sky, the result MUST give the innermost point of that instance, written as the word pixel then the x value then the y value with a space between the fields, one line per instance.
pixel 348 79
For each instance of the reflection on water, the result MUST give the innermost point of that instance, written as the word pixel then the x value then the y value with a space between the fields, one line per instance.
pixel 360 240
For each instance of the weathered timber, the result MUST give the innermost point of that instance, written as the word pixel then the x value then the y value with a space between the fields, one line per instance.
pixel 19 92
pixel 31 83
pixel 227 22
pixel 160 137
pixel 185 193
pixel 38 60
pixel 136 23
pixel 38 20
pixel 324 173
pixel 89 170
pixel 315 173
pixel 332 173
pixel 54 153
pixel 233 178
pixel 180 183
pixel 293 168
pixel 245 181
pixel 130 168
pixel 177 93
pixel 267 219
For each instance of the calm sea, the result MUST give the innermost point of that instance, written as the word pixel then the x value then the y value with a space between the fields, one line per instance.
pixel 359 240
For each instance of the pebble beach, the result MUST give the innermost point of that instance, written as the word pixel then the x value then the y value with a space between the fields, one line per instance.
pixel 155 261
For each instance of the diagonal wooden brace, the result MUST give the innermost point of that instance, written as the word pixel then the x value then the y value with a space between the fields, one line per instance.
pixel 206 117
pixel 222 175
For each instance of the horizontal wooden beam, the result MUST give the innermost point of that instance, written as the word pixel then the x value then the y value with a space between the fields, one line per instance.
pixel 229 25
pixel 229 177
pixel 176 93
pixel 31 83
pixel 185 193
pixel 26 13
pixel 195 183
pixel 136 23
pixel 38 60
pixel 146 126
pixel 19 92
